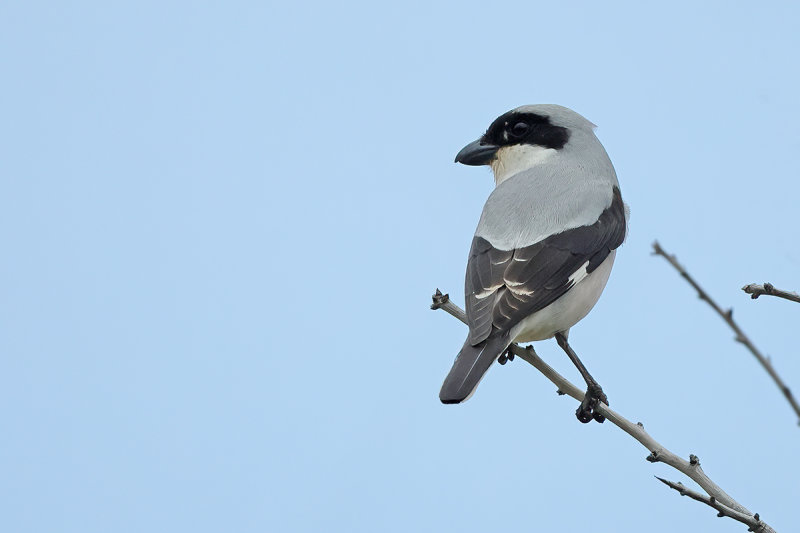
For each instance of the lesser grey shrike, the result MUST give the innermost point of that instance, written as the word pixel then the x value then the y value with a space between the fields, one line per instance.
pixel 545 242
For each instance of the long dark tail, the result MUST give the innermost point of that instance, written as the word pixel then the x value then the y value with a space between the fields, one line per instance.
pixel 469 367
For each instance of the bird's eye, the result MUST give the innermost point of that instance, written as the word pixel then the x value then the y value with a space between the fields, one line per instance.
pixel 519 129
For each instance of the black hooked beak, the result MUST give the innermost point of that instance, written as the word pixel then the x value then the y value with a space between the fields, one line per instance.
pixel 477 153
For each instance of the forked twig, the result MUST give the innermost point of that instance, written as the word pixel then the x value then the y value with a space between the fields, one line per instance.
pixel 727 316
pixel 658 453
pixel 754 522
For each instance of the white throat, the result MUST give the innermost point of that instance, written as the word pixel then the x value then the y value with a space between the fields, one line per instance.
pixel 511 160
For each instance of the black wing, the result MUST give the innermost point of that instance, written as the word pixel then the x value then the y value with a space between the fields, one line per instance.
pixel 504 286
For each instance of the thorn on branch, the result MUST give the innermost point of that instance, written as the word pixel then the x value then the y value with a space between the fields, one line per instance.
pixel 675 486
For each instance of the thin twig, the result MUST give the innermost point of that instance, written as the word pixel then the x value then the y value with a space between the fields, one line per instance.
pixel 727 316
pixel 658 453
pixel 754 522
pixel 755 290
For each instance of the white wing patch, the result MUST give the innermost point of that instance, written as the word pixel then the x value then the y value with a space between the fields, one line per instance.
pixel 579 274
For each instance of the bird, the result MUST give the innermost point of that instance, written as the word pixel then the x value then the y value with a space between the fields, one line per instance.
pixel 545 242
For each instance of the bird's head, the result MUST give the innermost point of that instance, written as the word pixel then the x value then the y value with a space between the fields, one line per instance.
pixel 523 138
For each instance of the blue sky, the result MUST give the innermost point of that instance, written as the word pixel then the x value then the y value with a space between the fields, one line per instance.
pixel 222 223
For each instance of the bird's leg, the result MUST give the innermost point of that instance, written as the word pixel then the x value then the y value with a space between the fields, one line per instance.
pixel 594 393
pixel 506 356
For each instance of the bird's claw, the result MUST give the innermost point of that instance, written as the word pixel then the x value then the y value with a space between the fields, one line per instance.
pixel 587 410
pixel 506 356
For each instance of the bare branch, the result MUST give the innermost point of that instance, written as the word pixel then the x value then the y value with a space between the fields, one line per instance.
pixel 727 316
pixel 754 522
pixel 755 290
pixel 658 453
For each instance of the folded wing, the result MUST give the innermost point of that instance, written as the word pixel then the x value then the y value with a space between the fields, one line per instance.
pixel 505 286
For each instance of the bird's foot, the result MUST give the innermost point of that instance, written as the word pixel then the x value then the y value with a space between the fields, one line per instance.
pixel 506 356
pixel 586 411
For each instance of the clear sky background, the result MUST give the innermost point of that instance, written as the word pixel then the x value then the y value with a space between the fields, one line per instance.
pixel 222 223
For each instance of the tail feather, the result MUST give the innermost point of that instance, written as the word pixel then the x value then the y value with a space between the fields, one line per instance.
pixel 469 367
